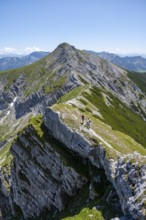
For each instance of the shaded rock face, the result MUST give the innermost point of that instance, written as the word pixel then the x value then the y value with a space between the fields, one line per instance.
pixel 5 99
pixel 61 163
pixel 16 89
pixel 6 211
pixel 35 102
pixel 41 179
pixel 47 174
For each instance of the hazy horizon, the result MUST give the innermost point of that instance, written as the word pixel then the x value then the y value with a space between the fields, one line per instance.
pixel 17 54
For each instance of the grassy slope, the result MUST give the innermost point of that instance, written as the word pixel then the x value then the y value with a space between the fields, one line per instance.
pixel 118 116
pixel 118 126
pixel 139 79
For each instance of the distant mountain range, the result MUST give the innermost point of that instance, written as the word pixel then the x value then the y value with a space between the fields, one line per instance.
pixel 135 63
pixel 132 63
pixel 8 63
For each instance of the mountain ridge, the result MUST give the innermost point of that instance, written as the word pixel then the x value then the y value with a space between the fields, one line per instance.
pixel 8 63
pixel 45 148
pixel 133 63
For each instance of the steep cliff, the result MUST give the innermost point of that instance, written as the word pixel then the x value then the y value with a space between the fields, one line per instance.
pixel 58 162
pixel 46 173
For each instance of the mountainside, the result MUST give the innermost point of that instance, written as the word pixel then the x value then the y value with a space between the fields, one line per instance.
pixel 52 166
pixel 2 55
pixel 8 63
pixel 136 63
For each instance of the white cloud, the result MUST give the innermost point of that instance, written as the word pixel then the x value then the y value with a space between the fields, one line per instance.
pixel 118 49
pixel 32 49
pixel 12 50
pixel 8 50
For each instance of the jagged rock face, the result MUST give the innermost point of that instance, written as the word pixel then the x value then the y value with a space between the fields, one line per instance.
pixel 35 102
pixel 130 179
pixel 46 173
pixel 129 182
pixel 41 179
pixel 5 211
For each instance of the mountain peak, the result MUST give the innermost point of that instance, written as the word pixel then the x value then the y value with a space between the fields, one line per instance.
pixel 65 48
pixel 65 45
pixel 64 53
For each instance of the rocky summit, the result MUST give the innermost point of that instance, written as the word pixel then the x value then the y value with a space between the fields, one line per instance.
pixel 72 143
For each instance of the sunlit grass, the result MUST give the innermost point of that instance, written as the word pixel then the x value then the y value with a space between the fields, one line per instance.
pixel 120 142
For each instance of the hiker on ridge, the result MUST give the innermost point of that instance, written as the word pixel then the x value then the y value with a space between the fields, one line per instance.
pixel 88 123
pixel 82 119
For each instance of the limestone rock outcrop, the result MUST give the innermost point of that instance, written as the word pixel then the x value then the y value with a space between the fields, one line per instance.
pixel 127 179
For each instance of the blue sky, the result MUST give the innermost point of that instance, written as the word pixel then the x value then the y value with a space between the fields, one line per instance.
pixel 117 26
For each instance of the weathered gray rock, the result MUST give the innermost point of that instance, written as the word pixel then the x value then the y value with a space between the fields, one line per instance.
pixel 73 141
pixel 100 73
pixel 39 168
pixel 119 173
pixel 6 211
pixel 55 171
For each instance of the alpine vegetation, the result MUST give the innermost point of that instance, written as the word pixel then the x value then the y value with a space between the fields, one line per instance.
pixel 73 142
